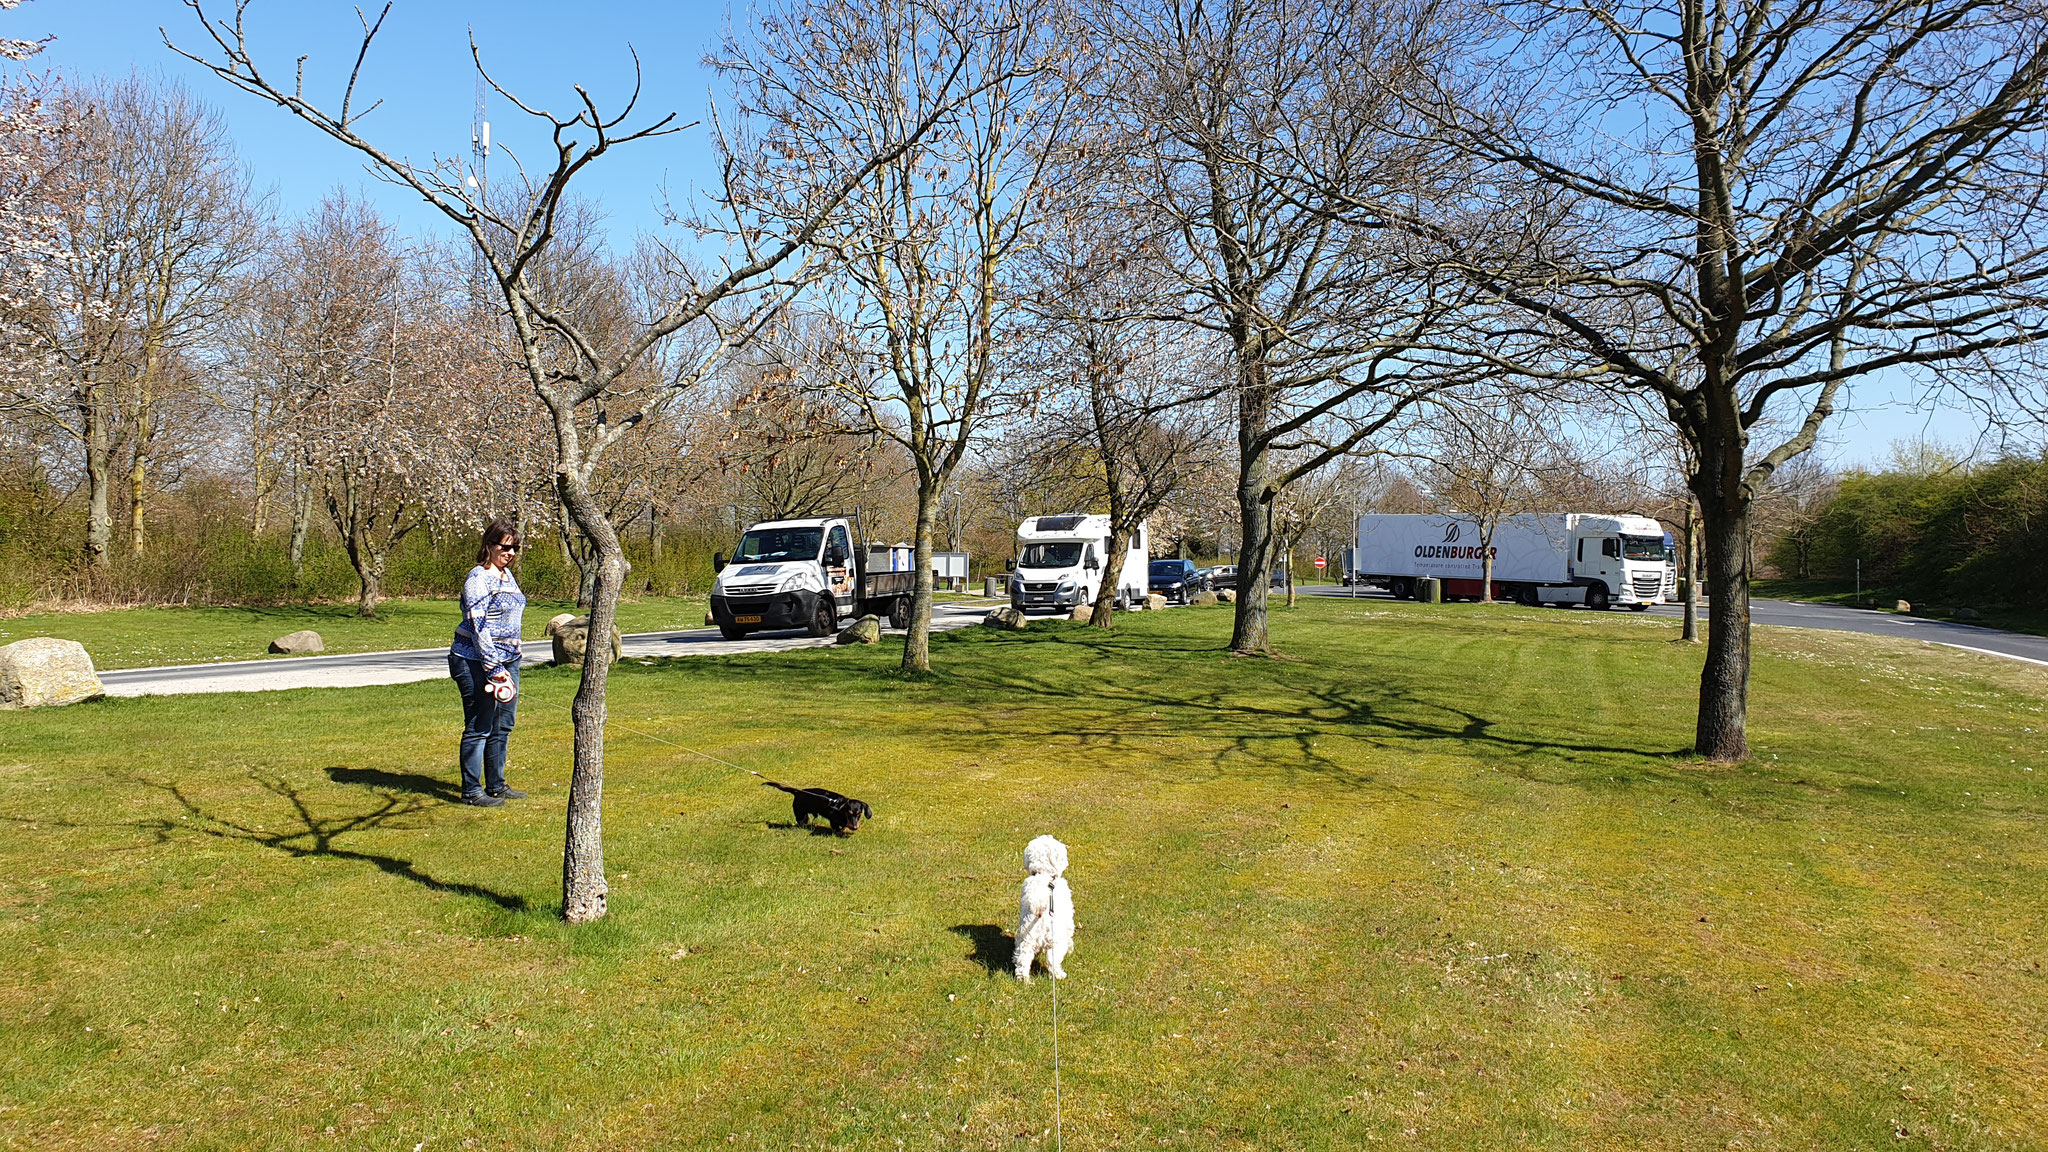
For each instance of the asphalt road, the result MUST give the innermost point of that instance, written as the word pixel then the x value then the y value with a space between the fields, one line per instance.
pixel 357 670
pixel 1797 614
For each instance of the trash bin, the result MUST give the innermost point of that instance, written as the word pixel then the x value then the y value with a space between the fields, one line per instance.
pixel 992 586
pixel 1429 590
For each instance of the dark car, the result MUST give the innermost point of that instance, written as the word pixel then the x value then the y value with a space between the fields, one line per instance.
pixel 1177 580
pixel 1223 576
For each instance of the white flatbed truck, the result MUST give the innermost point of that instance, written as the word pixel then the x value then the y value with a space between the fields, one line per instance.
pixel 1557 558
pixel 804 573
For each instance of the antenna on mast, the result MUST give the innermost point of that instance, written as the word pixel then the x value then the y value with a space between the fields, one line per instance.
pixel 479 165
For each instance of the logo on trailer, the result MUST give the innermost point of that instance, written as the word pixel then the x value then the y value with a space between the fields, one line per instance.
pixel 1451 532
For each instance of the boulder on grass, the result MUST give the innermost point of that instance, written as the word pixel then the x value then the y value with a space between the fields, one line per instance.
pixel 1004 617
pixel 866 630
pixel 43 672
pixel 298 643
pixel 1903 606
pixel 1082 613
pixel 1155 603
pixel 571 635
pixel 1227 596
pixel 1968 615
pixel 1204 599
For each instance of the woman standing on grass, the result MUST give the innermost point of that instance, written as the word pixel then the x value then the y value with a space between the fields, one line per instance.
pixel 484 660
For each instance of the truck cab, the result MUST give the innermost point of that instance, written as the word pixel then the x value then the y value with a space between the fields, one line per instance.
pixel 1621 560
pixel 802 573
pixel 1061 561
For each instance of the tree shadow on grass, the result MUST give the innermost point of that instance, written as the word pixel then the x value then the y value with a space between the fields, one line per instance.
pixel 312 834
pixel 993 947
pixel 422 784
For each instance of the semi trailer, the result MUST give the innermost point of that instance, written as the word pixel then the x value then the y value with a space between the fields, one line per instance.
pixel 1544 558
pixel 807 573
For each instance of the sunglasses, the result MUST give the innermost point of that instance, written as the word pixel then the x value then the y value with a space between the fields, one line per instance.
pixel 503 547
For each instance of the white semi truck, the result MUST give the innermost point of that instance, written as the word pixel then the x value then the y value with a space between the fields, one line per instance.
pixel 1550 558
pixel 806 573
pixel 1061 559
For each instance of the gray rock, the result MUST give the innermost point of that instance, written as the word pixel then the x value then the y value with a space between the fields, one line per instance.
pixel 1004 617
pixel 1968 615
pixel 866 630
pixel 572 639
pixel 43 672
pixel 1227 596
pixel 1204 599
pixel 1155 603
pixel 298 643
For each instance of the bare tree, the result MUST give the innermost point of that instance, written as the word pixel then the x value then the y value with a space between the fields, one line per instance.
pixel 1331 331
pixel 593 393
pixel 1487 460
pixel 1737 211
pixel 930 239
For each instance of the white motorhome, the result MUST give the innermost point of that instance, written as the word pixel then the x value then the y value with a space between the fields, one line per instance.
pixel 1061 559
pixel 1551 558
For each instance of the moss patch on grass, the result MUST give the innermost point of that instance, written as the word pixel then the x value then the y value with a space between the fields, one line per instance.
pixel 153 637
pixel 1443 877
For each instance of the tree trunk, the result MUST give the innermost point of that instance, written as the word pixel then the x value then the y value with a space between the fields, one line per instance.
pixel 1486 565
pixel 1724 681
pixel 654 534
pixel 302 523
pixel 138 493
pixel 1690 632
pixel 369 564
pixel 99 452
pixel 1289 553
pixel 917 641
pixel 1248 634
pixel 583 885
pixel 1112 572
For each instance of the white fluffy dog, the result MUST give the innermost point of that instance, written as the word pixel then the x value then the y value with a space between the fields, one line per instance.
pixel 1045 915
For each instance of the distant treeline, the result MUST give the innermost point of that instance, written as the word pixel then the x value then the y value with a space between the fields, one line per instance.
pixel 1965 535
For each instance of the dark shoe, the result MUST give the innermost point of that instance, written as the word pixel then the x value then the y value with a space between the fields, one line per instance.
pixel 504 793
pixel 483 800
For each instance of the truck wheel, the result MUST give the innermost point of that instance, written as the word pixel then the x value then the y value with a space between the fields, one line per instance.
pixel 822 622
pixel 1402 589
pixel 732 632
pixel 1596 597
pixel 899 613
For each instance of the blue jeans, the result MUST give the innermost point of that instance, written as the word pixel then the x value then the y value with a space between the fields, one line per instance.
pixel 486 725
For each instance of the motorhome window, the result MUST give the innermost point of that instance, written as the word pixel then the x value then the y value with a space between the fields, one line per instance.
pixel 1645 548
pixel 772 544
pixel 1050 555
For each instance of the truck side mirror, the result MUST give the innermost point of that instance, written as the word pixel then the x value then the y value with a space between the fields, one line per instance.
pixel 717 561
pixel 835 556
pixel 1010 565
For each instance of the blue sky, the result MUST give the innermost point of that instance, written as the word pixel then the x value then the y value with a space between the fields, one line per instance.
pixel 420 68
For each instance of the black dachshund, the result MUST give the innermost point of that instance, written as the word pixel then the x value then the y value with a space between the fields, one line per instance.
pixel 844 813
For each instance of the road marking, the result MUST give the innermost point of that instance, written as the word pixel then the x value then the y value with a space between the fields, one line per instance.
pixel 1989 652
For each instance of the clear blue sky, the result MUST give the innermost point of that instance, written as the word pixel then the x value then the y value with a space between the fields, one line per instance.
pixel 421 69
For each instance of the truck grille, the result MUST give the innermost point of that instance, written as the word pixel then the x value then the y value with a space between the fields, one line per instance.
pixel 1648 585
pixel 749 589
pixel 1053 587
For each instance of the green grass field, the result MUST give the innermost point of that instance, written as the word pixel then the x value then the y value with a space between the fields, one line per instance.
pixel 1442 877
pixel 148 637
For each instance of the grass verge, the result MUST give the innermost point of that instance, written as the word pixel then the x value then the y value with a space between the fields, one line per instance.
pixel 152 637
pixel 1441 878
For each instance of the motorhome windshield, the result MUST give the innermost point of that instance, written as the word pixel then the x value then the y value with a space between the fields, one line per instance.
pixel 775 544
pixel 1645 548
pixel 1050 555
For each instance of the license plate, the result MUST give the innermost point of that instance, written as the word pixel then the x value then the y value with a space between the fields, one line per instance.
pixel 746 619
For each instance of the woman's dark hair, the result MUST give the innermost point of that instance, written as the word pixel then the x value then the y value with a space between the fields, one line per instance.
pixel 499 532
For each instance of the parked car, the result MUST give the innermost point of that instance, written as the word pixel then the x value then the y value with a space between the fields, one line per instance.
pixel 1222 576
pixel 1177 580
